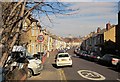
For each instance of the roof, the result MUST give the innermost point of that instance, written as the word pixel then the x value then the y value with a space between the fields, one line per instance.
pixel 77 40
pixel 72 40
pixel 102 31
pixel 62 53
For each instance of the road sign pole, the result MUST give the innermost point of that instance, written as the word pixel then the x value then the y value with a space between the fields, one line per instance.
pixel 40 39
pixel 40 47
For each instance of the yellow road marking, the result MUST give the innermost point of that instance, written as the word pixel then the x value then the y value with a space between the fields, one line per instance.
pixel 64 78
pixel 62 75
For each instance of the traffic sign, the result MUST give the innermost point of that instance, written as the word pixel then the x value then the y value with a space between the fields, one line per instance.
pixel 40 38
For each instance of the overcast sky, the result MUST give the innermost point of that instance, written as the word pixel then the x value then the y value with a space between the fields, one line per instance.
pixel 91 14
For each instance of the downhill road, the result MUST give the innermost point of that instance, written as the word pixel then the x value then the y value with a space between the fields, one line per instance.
pixel 82 69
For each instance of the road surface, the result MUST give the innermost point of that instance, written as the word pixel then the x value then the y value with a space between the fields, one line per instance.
pixel 82 70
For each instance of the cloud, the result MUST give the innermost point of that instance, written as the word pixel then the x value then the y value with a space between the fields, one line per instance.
pixel 89 0
pixel 81 0
pixel 95 7
pixel 79 27
pixel 106 0
pixel 119 6
pixel 76 0
pixel 90 16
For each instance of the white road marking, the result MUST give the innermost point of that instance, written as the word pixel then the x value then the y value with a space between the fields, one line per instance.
pixel 118 79
pixel 91 75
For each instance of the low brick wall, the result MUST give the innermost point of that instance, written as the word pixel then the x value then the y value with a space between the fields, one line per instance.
pixel 17 74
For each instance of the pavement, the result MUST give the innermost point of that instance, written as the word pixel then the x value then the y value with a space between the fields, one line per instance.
pixel 49 71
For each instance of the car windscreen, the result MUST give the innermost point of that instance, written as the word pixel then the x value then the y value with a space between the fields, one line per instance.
pixel 114 56
pixel 63 55
pixel 29 57
pixel 95 54
pixel 61 51
pixel 84 52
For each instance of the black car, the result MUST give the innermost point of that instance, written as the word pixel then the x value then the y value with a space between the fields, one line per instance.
pixel 61 51
pixel 94 56
pixel 77 51
pixel 83 54
pixel 106 59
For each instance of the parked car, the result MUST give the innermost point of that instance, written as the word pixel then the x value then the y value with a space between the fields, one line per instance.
pixel 83 54
pixel 61 51
pixel 106 59
pixel 68 47
pixel 63 59
pixel 116 62
pixel 94 56
pixel 76 51
pixel 35 66
pixel 65 49
pixel 118 66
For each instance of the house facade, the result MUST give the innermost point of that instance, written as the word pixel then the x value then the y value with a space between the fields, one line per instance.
pixel 110 33
pixel 29 36
pixel 118 32
pixel 105 40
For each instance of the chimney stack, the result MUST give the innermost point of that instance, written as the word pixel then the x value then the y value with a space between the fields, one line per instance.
pixel 108 26
pixel 98 30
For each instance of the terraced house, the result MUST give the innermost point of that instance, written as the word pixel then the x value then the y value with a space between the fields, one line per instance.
pixel 30 35
pixel 118 32
pixel 29 38
pixel 104 40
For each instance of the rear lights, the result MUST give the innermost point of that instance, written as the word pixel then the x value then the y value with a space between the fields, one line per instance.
pixel 94 56
pixel 113 60
pixel 58 60
pixel 70 59
pixel 98 57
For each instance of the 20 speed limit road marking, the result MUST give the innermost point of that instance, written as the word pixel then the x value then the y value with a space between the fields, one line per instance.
pixel 91 75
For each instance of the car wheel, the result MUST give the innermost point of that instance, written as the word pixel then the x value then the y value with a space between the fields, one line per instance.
pixel 70 66
pixel 118 67
pixel 41 67
pixel 57 66
pixel 29 73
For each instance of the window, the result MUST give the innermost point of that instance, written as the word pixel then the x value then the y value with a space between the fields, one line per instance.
pixel 32 29
pixel 32 48
pixel 63 55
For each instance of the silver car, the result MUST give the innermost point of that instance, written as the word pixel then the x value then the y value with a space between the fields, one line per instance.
pixel 34 67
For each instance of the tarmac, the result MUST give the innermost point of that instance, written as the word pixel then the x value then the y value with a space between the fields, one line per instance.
pixel 50 72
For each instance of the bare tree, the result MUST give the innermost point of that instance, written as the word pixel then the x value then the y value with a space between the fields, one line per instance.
pixel 13 15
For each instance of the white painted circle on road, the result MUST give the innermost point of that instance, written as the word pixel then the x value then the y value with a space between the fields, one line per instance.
pixel 91 75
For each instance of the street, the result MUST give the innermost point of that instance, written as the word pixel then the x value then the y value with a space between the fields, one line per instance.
pixel 85 33
pixel 50 72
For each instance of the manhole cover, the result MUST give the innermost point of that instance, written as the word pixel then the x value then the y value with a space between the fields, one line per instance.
pixel 91 75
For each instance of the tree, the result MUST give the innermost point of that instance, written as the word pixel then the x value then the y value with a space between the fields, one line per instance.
pixel 13 15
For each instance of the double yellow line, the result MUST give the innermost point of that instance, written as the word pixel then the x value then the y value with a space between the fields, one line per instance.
pixel 62 75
